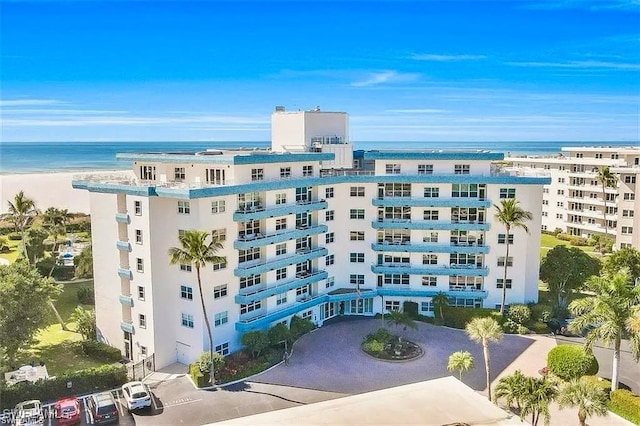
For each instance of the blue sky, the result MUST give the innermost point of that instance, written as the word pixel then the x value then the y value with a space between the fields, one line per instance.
pixel 564 70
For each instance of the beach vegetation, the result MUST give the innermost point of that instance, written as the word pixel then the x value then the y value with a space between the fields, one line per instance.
pixel 20 212
pixel 84 263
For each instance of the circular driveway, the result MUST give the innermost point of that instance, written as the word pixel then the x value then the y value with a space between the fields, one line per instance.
pixel 330 358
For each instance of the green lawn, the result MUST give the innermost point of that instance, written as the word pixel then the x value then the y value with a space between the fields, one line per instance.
pixel 68 300
pixel 14 251
pixel 547 242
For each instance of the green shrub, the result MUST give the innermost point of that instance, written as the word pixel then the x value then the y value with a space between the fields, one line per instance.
pixel 373 346
pixel 602 383
pixel 571 362
pixel 255 341
pixel 200 378
pixel 625 404
pixel 563 237
pixel 82 381
pixel 410 308
pixel 519 313
pixel 205 362
pixel 381 335
pixel 300 326
pixel 86 296
pixel 278 334
pixel 578 242
pixel 14 236
pixel 101 351
pixel 459 317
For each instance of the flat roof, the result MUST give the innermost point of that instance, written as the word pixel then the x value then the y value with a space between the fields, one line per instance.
pixel 221 156
pixel 434 154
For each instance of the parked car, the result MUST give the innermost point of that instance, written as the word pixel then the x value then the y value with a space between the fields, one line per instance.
pixel 103 408
pixel 136 395
pixel 29 413
pixel 67 411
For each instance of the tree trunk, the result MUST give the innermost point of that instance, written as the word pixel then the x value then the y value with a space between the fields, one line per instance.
pixel 206 321
pixel 504 280
pixel 616 364
pixel 604 214
pixel 58 317
pixel 487 366
pixel 24 245
pixel 582 417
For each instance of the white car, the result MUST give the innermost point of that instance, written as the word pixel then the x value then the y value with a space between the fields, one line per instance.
pixel 29 413
pixel 136 395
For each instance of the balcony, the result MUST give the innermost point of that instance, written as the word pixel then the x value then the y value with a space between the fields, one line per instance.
pixel 263 266
pixel 428 225
pixel 260 212
pixel 300 280
pixel 453 269
pixel 430 247
pixel 127 326
pixel 432 202
pixel 123 246
pixel 263 320
pixel 126 300
pixel 123 218
pixel 466 291
pixel 248 241
pixel 125 273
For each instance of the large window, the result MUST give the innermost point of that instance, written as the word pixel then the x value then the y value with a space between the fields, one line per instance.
pixel 430 281
pixel 396 279
pixel 328 192
pixel 281 274
pixel 357 191
pixel 215 176
pixel 467 214
pixel 394 189
pixel 220 318
pixel 392 169
pixel 250 307
pixel 356 213
pixel 402 213
pixel 248 201
pixel 220 291
pixel 425 169
pixel 430 192
pixel 500 281
pixel 285 172
pixel 356 235
pixel 429 259
pixel 250 281
pixel 248 255
pixel 430 215
pixel 464 190
pixel 303 195
pixel 281 249
pixel 356 257
pixel 186 320
pixel 307 170
pixel 281 224
pixel 329 215
pixel 356 279
pixel 186 292
pixel 148 172
pixel 329 237
pixel 223 349
pixel 501 261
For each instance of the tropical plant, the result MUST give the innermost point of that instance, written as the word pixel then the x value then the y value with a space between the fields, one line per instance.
pixel 606 313
pixel 255 341
pixel 20 212
pixel 194 250
pixel 400 319
pixel 538 395
pixel 590 399
pixel 512 216
pixel 84 263
pixel 483 331
pixel 512 389
pixel 55 222
pixel 607 179
pixel 461 361
pixel 571 362
pixel 85 320
pixel 34 241
pixel 519 313
pixel 440 303
pixel 627 257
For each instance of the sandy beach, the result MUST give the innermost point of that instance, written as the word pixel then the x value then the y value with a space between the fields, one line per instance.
pixel 47 190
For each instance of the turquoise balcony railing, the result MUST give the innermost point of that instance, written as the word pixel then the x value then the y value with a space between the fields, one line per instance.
pixel 123 218
pixel 259 212
pixel 254 268
pixel 404 268
pixel 123 245
pixel 301 279
pixel 127 326
pixel 428 225
pixel 262 320
pixel 429 247
pixel 431 202
pixel 125 273
pixel 126 300
pixel 245 242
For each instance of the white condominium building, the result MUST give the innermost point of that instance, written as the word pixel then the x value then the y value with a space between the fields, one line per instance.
pixel 574 201
pixel 309 228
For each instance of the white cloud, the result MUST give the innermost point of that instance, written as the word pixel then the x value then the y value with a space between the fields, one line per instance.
pixel 382 77
pixel 28 102
pixel 445 58
pixel 578 64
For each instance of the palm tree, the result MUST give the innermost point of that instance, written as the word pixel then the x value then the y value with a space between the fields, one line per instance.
pixel 55 221
pixel 512 389
pixel 194 250
pixel 511 215
pixel 20 212
pixel 399 318
pixel 608 180
pixel 606 313
pixel 462 361
pixel 440 302
pixel 483 331
pixel 590 399
pixel 538 395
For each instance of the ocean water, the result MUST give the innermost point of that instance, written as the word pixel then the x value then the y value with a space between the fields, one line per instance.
pixel 25 157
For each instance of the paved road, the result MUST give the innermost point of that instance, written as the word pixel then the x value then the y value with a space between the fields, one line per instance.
pixel 330 359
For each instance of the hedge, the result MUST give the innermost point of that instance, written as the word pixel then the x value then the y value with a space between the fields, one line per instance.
pixel 201 379
pixel 101 351
pixel 626 404
pixel 571 362
pixel 82 382
pixel 459 317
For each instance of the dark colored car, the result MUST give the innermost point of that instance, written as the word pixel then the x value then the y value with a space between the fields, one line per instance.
pixel 103 408
pixel 67 411
pixel 560 326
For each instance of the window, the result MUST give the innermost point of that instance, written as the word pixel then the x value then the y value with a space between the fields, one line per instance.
pixel 257 174
pixel 219 235
pixel 392 305
pixel 396 279
pixel 139 265
pixel 285 172
pixel 186 292
pixel 425 169
pixel 328 193
pixel 304 290
pixel 249 201
pixel 307 315
pixel 357 191
pixel 184 207
pixel 507 193
pixel 431 192
pixel 560 192
pixel 140 292
pixel 250 281
pixel 281 273
pixel 558 215
pixel 219 206
pixel 143 351
pixel 328 215
pixel 187 320
pixel 142 321
pixel 329 237
pixel 426 306
pixel 629 179
pixel 629 196
pixel 221 318
pixel 356 279
pixel 356 257
pixel 430 281
pixel 281 299
pixel 356 235
pixel 329 260
pixel 178 173
pixel 356 214
pixel 215 176
pixel 281 224
pixel 220 291
pixel 138 236
pixel 148 172
pixel 137 207
pixel 281 249
pixel 223 349
pixel 307 170
pixel 250 307
pixel 392 169
pixel 465 190
pixel 331 281
pixel 501 261
pixel 429 259
pixel 461 169
pixel 559 204
pixel 249 254
pixel 431 237
pixel 281 198
pixel 545 202
pixel 185 268
pixel 499 282
pixel 627 213
pixel 220 265
pixel 627 230
pixel 502 238
pixel 430 215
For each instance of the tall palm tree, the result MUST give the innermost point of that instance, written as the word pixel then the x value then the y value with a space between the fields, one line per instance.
pixel 462 361
pixel 607 312
pixel 194 250
pixel 55 221
pixel 440 302
pixel 607 179
pixel 483 331
pixel 512 389
pixel 538 395
pixel 512 216
pixel 21 211
pixel 590 399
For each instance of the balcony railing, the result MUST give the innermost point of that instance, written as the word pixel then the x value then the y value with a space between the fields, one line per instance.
pixel 279 210
pixel 432 201
pixel 430 247
pixel 262 265
pixel 428 225
pixel 452 269
pixel 257 240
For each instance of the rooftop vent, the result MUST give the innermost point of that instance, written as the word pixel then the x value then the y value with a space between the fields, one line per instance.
pixel 279 108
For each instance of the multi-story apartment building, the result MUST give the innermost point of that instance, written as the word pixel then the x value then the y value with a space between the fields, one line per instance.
pixel 574 200
pixel 309 228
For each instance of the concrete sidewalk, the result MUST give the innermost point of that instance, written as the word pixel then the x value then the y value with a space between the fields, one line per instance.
pixel 533 359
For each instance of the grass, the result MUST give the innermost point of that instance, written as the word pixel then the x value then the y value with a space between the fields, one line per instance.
pixel 14 251
pixel 68 299
pixel 547 242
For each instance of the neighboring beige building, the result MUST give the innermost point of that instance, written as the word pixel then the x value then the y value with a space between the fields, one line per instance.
pixel 574 201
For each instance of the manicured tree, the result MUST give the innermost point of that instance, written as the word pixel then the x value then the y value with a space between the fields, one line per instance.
pixel 483 331
pixel 570 362
pixel 194 250
pixel 461 361
pixel 539 393
pixel 440 303
pixel 607 312
pixel 512 389
pixel 21 211
pixel 512 216
pixel 627 257
pixel 608 180
pixel 400 319
pixel 590 399
pixel 255 341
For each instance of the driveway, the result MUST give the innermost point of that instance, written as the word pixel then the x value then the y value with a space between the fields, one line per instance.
pixel 330 359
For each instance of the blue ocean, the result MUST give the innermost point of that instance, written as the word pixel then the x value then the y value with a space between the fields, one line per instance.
pixel 26 157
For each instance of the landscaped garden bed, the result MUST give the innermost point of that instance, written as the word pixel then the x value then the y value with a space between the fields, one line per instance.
pixel 389 347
